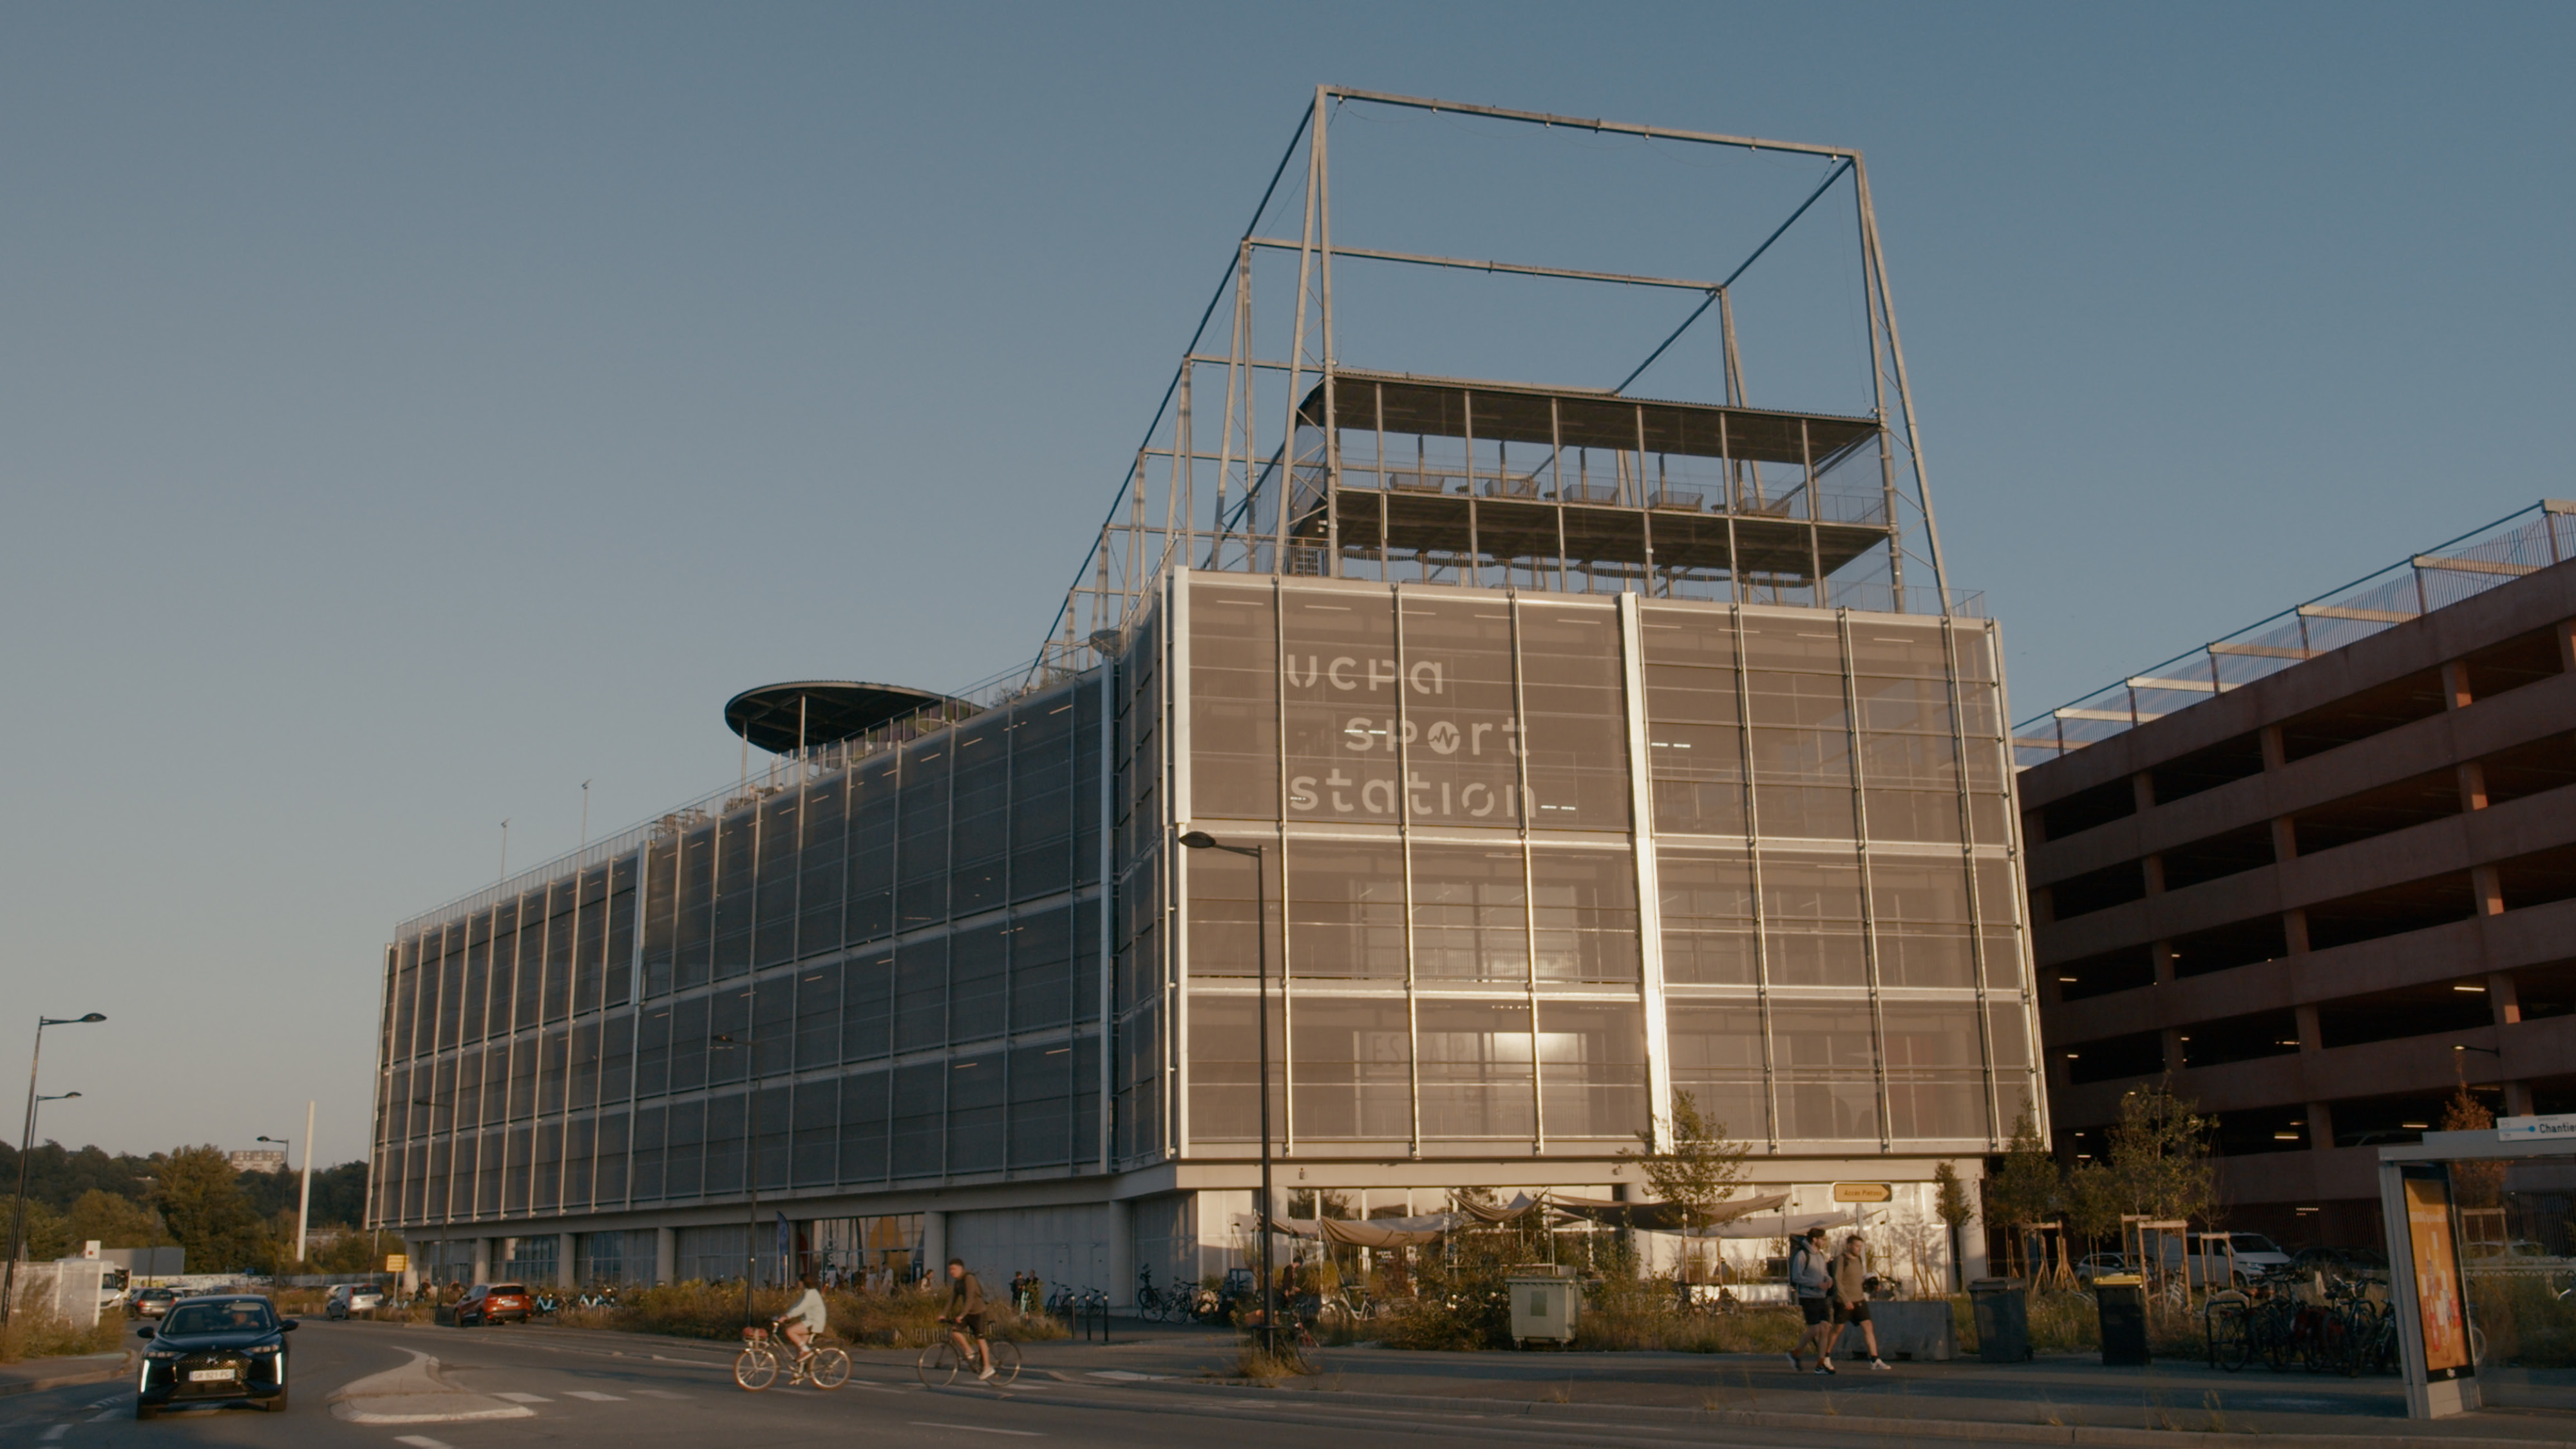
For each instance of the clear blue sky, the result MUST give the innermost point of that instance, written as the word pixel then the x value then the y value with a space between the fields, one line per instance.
pixel 409 412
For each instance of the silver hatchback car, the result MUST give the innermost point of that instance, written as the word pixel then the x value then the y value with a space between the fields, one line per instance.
pixel 349 1299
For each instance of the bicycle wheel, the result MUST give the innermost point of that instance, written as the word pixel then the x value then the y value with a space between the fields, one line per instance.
pixel 1006 1360
pixel 2231 1346
pixel 938 1365
pixel 755 1368
pixel 830 1368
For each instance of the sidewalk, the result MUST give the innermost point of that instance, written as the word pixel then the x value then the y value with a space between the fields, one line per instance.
pixel 1966 1398
pixel 34 1375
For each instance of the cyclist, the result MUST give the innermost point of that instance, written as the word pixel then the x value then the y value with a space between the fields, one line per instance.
pixel 966 1312
pixel 807 1318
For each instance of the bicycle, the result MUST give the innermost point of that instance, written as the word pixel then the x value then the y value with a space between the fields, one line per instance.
pixel 1151 1302
pixel 940 1362
pixel 824 1365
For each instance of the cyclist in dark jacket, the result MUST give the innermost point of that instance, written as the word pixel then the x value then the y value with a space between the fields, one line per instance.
pixel 966 1311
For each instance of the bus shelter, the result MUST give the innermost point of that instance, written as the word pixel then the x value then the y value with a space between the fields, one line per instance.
pixel 2482 1272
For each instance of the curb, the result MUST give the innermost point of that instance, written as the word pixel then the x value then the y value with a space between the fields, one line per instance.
pixel 95 1373
pixel 1983 1430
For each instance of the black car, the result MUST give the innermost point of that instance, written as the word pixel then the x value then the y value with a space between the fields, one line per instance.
pixel 216 1349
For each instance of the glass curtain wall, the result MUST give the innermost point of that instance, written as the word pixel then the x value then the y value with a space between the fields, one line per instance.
pixel 1441 780
pixel 888 972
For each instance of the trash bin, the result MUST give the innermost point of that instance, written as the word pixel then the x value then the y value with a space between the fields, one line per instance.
pixel 2003 1320
pixel 2121 1299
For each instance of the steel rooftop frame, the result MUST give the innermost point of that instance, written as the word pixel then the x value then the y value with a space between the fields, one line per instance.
pixel 1126 557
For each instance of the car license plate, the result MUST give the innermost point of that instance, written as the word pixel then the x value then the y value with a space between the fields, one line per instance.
pixel 209 1376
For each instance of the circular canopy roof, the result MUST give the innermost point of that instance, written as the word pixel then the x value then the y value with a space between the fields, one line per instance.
pixel 777 717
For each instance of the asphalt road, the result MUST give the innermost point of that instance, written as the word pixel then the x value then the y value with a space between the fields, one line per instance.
pixel 624 1393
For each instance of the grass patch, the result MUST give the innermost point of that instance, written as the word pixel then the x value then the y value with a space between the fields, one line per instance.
pixel 37 1331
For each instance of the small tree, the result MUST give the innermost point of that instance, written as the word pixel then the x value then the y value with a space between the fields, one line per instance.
pixel 1701 1172
pixel 2160 1156
pixel 2027 1192
pixel 2479 1184
pixel 1950 1203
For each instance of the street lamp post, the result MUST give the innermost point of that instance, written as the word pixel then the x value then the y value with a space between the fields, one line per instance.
pixel 304 1196
pixel 26 1153
pixel 1201 840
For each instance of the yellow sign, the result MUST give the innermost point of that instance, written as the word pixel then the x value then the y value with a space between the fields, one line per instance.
pixel 397 1262
pixel 1863 1192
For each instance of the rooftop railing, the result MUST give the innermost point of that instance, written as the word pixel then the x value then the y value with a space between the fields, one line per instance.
pixel 2522 542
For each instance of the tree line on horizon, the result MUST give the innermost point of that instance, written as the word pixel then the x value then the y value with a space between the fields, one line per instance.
pixel 229 1220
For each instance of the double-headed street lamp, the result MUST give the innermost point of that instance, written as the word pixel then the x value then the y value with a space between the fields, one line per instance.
pixel 27 1152
pixel 1201 840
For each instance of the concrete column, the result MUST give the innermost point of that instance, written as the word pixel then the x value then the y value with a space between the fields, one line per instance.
pixel 2566 632
pixel 2294 930
pixel 1972 1238
pixel 2517 1099
pixel 2154 867
pixel 2310 1038
pixel 2162 954
pixel 666 1255
pixel 482 1260
pixel 2473 786
pixel 2142 786
pixel 2285 838
pixel 2504 998
pixel 2275 754
pixel 934 1244
pixel 2455 685
pixel 2488 889
pixel 2173 1050
pixel 563 1261
pixel 2320 1126
pixel 1121 1228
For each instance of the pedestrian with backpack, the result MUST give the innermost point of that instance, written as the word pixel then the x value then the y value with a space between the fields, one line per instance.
pixel 1812 1282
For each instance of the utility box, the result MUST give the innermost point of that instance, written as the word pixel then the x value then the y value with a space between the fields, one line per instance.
pixel 2003 1320
pixel 1547 1303
pixel 2121 1299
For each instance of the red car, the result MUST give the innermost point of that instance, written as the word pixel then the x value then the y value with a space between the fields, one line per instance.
pixel 494 1303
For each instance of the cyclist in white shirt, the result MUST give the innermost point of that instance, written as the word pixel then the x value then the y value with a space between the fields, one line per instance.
pixel 807 1318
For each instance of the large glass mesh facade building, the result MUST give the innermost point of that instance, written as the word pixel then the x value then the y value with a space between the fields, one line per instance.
pixel 1595 750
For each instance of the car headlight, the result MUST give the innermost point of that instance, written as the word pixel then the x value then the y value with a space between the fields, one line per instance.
pixel 265 1348
pixel 160 1353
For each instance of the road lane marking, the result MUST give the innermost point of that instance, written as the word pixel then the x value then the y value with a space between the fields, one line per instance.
pixel 978 1429
pixel 525 1398
pixel 56 1432
pixel 593 1395
pixel 422 1441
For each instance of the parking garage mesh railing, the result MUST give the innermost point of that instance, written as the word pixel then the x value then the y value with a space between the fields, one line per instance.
pixel 2522 542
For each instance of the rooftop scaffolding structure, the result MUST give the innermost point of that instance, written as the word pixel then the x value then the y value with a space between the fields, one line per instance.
pixel 1380 472
pixel 2522 542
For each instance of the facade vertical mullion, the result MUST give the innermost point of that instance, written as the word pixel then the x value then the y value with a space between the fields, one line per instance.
pixel 1404 854
pixel 1753 842
pixel 1529 876
pixel 1650 902
pixel 1868 900
pixel 634 1012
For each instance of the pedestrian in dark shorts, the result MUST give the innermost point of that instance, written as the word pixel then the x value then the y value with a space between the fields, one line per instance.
pixel 1851 1297
pixel 1812 1281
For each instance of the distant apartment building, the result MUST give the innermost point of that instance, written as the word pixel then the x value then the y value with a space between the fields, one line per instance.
pixel 257 1159
pixel 2324 873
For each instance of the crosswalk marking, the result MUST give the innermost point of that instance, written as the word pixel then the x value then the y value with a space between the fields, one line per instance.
pixel 978 1429
pixel 56 1432
pixel 525 1398
pixel 594 1396
pixel 422 1441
